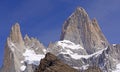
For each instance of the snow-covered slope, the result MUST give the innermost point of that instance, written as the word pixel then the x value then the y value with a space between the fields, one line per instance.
pixel 76 56
pixel 30 57
pixel 68 47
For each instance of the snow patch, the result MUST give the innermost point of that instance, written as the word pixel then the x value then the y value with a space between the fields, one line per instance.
pixel 117 68
pixel 114 44
pixel 84 67
pixel 22 68
pixel 32 58
pixel 44 50
pixel 69 44
pixel 67 52
pixel 76 56
pixel 22 62
pixel 12 46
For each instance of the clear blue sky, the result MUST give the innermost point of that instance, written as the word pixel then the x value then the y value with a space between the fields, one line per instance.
pixel 44 18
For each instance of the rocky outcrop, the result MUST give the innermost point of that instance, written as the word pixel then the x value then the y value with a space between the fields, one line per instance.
pixel 8 65
pixel 33 43
pixel 13 50
pixel 52 64
pixel 15 35
pixel 82 31
pixel 93 69
pixel 79 29
pixel 115 51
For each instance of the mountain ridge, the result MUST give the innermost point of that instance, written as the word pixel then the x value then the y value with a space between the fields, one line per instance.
pixel 82 45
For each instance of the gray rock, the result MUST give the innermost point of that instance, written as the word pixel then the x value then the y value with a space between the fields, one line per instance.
pixel 33 43
pixel 14 49
pixel 79 29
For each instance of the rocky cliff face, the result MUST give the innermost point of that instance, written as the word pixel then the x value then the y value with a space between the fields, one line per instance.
pixel 15 35
pixel 83 44
pixel 18 52
pixel 13 50
pixel 79 29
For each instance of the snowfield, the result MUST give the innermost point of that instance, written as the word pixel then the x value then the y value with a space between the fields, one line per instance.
pixel 32 58
pixel 68 46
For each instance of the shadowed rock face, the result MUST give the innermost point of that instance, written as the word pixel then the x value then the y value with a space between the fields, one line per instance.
pixel 79 29
pixel 52 64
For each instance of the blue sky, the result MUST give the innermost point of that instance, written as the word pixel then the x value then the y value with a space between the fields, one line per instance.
pixel 43 19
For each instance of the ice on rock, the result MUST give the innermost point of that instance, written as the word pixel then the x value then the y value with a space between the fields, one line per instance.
pixel 76 56
pixel 117 68
pixel 114 44
pixel 84 67
pixel 69 44
pixel 12 46
pixel 22 68
pixel 22 62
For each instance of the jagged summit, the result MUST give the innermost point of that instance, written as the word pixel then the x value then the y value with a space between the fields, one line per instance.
pixel 81 10
pixel 15 34
pixel 21 54
pixel 26 38
pixel 79 29
pixel 82 45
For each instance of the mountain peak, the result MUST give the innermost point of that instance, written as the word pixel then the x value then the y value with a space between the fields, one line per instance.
pixel 80 12
pixel 80 9
pixel 15 34
pixel 26 38
pixel 79 29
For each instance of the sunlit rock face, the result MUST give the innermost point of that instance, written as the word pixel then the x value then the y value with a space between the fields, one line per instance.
pixel 15 35
pixel 21 54
pixel 82 46
pixel 79 29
